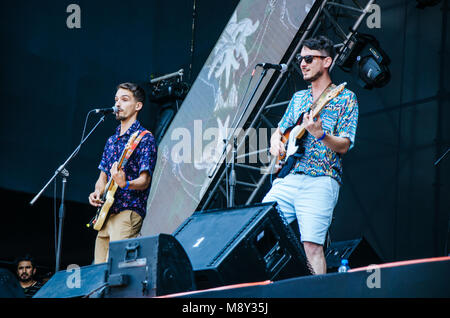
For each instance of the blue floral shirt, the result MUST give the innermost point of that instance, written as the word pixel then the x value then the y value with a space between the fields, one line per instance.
pixel 143 158
pixel 339 118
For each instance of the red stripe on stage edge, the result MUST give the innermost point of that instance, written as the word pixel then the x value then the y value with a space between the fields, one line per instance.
pixel 402 263
pixel 266 282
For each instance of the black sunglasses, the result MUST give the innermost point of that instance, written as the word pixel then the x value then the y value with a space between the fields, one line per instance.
pixel 308 58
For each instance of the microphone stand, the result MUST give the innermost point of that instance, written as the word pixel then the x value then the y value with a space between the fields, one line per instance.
pixel 226 141
pixel 232 181
pixel 64 173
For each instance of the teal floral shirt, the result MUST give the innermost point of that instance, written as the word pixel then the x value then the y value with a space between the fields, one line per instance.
pixel 339 118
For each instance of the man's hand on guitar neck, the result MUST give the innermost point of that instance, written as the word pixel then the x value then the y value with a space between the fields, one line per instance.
pixel 313 125
pixel 140 183
pixel 118 175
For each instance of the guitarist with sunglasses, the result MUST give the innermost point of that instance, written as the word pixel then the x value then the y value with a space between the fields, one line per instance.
pixel 309 191
pixel 125 215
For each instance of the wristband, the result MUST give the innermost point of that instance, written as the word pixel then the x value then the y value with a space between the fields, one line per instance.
pixel 323 136
pixel 127 186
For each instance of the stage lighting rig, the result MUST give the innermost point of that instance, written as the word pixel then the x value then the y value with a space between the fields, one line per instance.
pixel 167 92
pixel 168 88
pixel 363 56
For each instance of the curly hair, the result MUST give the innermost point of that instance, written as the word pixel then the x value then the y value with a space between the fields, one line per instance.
pixel 321 43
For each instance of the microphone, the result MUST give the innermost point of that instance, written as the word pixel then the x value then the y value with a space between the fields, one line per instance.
pixel 279 67
pixel 106 110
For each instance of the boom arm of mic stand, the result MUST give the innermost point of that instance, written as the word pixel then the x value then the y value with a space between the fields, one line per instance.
pixel 61 168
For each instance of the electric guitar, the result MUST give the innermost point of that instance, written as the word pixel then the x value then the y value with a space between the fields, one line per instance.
pixel 110 189
pixel 291 138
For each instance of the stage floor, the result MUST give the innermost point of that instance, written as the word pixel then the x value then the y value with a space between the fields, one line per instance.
pixel 421 278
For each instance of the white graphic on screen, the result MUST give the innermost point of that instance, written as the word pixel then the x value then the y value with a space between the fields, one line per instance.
pixel 231 46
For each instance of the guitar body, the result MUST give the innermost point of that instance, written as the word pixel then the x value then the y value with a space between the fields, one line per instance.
pixel 102 212
pixel 293 142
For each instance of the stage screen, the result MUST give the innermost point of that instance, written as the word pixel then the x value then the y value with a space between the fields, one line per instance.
pixel 257 32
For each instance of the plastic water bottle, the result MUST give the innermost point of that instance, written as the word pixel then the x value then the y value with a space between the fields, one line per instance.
pixel 344 266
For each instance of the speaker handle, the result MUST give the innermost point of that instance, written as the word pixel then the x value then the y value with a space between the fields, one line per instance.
pixel 131 248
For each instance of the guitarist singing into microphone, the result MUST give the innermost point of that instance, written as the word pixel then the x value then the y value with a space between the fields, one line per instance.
pixel 126 168
pixel 309 190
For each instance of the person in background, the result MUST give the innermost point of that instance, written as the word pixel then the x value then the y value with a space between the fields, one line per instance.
pixel 26 273
pixel 134 180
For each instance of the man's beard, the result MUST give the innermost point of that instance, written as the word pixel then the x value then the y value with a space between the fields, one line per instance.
pixel 314 77
pixel 25 278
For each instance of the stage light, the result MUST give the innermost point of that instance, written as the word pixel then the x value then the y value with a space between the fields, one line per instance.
pixel 364 58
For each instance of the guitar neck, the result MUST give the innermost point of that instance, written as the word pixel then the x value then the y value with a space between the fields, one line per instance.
pixel 316 108
pixel 107 188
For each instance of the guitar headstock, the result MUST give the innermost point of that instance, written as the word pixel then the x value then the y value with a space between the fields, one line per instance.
pixel 336 91
pixel 131 140
pixel 329 96
pixel 126 153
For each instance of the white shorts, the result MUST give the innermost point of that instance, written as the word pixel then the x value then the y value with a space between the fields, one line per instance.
pixel 309 199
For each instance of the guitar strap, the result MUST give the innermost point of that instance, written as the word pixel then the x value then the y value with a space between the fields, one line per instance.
pixel 314 105
pixel 135 143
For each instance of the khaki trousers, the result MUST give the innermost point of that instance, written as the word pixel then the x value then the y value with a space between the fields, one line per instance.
pixel 124 225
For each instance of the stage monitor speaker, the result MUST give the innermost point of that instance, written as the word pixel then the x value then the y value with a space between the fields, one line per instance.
pixel 75 282
pixel 358 252
pixel 9 285
pixel 239 245
pixel 147 267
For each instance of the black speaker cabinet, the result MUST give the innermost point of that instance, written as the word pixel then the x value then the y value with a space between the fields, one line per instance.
pixel 238 245
pixel 9 285
pixel 358 252
pixel 148 266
